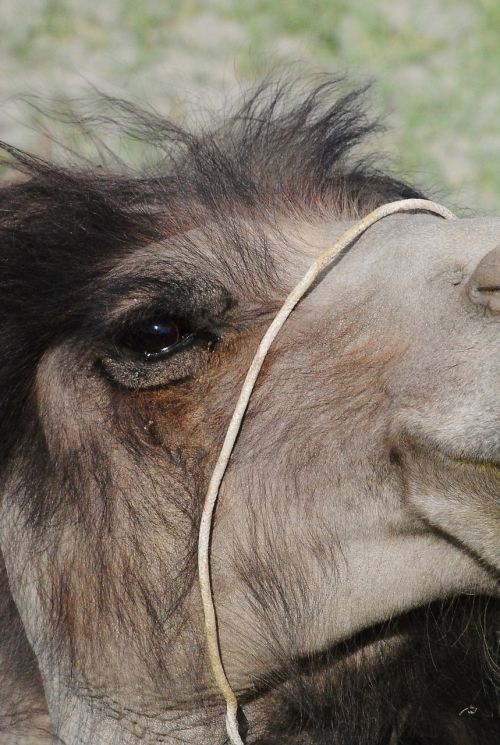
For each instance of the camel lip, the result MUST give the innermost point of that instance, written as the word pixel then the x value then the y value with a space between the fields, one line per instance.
pixel 474 461
pixel 486 469
pixel 436 450
pixel 457 493
pixel 485 463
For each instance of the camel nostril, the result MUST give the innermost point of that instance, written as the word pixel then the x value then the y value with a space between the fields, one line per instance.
pixel 483 287
pixel 489 289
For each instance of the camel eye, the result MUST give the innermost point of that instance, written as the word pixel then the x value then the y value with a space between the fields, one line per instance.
pixel 156 338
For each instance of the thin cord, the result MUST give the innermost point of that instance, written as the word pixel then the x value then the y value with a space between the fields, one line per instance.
pixel 212 638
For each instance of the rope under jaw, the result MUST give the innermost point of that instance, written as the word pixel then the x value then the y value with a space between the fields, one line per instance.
pixel 347 238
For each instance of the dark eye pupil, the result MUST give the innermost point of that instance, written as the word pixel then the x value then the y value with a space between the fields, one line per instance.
pixel 153 337
pixel 160 335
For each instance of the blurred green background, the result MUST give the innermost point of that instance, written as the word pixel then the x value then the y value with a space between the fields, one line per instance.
pixel 435 64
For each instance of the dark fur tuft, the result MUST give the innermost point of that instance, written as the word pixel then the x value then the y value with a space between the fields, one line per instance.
pixel 62 227
pixel 112 580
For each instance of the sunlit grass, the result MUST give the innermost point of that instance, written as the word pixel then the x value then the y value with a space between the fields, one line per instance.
pixel 435 64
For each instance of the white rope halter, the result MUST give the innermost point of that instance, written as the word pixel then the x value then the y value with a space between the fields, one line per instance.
pixel 350 235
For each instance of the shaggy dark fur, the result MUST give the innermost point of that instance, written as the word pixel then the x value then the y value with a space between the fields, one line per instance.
pixel 61 228
pixel 435 687
pixel 62 233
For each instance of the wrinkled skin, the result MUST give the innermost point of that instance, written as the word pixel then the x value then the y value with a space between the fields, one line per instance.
pixel 364 486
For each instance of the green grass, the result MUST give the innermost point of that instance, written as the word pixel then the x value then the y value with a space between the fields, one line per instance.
pixel 435 64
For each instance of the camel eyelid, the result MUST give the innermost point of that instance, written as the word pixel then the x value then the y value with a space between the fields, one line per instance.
pixel 193 319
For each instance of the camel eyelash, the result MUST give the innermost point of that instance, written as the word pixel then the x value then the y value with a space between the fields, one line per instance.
pixel 164 339
pixel 156 349
pixel 194 307
pixel 162 336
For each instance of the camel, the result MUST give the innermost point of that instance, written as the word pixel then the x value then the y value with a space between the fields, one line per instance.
pixel 355 544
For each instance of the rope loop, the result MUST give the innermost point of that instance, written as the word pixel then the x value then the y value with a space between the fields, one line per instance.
pixel 211 633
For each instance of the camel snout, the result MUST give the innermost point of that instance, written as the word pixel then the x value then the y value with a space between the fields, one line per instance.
pixel 483 287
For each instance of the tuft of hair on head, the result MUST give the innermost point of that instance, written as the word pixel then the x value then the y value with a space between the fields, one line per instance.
pixel 289 144
pixel 289 148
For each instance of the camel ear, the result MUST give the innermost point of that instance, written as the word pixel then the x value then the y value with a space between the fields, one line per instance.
pixel 484 286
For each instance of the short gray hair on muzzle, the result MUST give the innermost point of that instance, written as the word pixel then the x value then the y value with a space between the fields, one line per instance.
pixel 336 251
